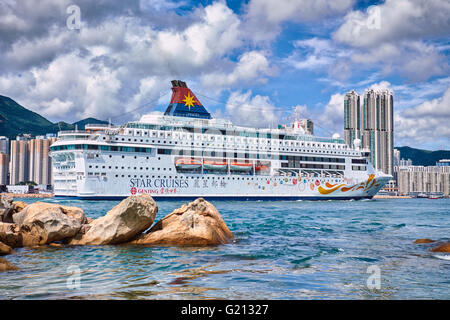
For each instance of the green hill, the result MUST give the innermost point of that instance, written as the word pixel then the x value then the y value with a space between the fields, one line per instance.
pixel 15 120
pixel 421 157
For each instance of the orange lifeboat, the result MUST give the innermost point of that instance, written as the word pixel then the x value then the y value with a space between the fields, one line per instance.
pixel 214 165
pixel 262 168
pixel 187 163
pixel 241 166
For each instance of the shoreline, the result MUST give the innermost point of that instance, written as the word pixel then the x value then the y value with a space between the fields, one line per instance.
pixel 29 195
pixel 391 197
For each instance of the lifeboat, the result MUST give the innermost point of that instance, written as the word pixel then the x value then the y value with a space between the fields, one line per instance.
pixel 214 165
pixel 241 166
pixel 186 163
pixel 261 168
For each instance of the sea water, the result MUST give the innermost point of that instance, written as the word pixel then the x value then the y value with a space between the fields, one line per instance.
pixel 282 250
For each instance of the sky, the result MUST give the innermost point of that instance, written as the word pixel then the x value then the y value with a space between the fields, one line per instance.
pixel 253 62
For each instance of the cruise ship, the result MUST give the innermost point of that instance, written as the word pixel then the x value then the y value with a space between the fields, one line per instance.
pixel 186 153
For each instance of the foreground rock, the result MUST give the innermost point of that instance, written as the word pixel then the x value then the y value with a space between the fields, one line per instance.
pixel 198 223
pixel 6 266
pixel 418 241
pixel 15 235
pixel 442 248
pixel 5 249
pixel 6 207
pixel 121 224
pixel 55 221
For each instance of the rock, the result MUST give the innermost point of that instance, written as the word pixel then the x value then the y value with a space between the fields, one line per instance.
pixel 57 222
pixel 57 245
pixel 16 207
pixel 19 206
pixel 6 207
pixel 6 266
pixel 5 249
pixel 89 220
pixel 75 213
pixel 423 241
pixel 122 223
pixel 198 223
pixel 15 235
pixel 445 247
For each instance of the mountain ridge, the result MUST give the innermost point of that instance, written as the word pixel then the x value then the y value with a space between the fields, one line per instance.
pixel 16 119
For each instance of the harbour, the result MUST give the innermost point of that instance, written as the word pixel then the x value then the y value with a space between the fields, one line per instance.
pixel 282 250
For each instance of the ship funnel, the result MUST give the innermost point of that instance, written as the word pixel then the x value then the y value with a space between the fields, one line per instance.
pixel 184 103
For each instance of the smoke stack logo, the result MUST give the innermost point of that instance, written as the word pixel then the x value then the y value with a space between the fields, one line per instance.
pixel 133 191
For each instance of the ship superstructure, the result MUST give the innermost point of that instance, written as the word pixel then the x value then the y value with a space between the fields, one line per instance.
pixel 186 153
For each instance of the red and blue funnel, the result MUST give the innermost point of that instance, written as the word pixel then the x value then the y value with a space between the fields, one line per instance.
pixel 184 103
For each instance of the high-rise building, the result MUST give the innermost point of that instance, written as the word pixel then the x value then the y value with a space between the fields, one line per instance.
pixel 307 125
pixel 4 165
pixel 420 179
pixel 30 160
pixel 4 160
pixel 4 145
pixel 373 123
pixel 352 117
pixel 19 162
pixel 396 157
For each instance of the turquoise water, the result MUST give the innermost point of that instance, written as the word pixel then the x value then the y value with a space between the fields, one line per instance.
pixel 282 250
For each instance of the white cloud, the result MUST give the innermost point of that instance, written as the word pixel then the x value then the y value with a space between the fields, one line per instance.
pixel 331 119
pixel 264 17
pixel 427 122
pixel 398 20
pixel 387 35
pixel 257 111
pixel 252 66
pixel 116 65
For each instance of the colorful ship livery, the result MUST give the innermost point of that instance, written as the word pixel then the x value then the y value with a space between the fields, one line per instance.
pixel 186 153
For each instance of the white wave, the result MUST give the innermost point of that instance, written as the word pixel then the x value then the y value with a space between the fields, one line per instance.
pixel 442 256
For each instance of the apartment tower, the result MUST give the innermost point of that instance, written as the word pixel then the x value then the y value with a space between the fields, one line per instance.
pixel 373 123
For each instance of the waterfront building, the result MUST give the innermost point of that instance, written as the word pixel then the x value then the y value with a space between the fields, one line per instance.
pixel 4 165
pixel 405 163
pixel 443 163
pixel 30 160
pixel 307 125
pixel 19 164
pixel 4 145
pixel 352 117
pixel 423 179
pixel 373 123
pixel 396 157
pixel 4 160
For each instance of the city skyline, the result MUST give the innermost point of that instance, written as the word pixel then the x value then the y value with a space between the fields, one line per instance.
pixel 257 55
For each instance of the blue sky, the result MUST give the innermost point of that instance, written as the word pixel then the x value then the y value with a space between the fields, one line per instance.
pixel 253 62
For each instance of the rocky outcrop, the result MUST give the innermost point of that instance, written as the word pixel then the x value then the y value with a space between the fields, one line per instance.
pixel 198 223
pixel 122 223
pixel 6 266
pixel 55 222
pixel 5 249
pixel 445 247
pixel 15 235
pixel 6 207
pixel 425 240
